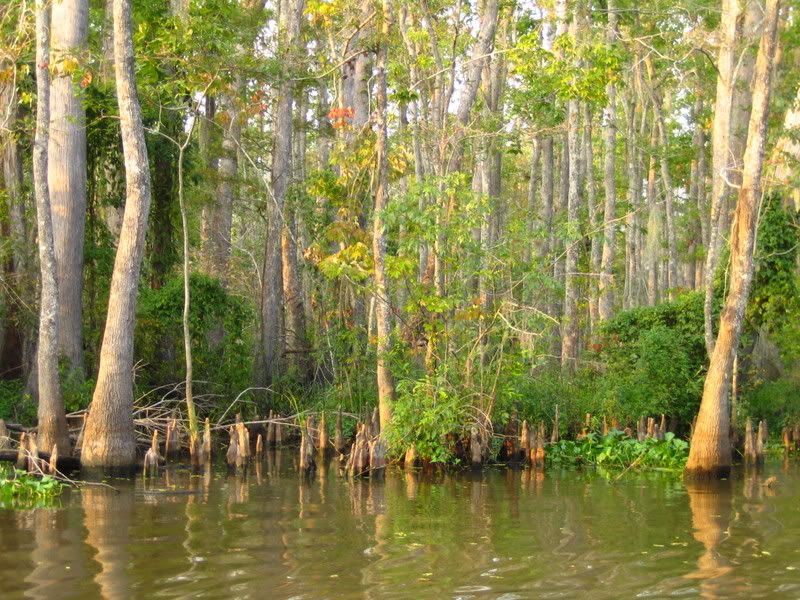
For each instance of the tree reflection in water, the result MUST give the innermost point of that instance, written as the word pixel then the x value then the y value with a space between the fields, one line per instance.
pixel 107 518
pixel 710 503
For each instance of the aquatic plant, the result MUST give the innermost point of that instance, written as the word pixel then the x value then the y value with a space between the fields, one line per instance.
pixel 617 451
pixel 19 489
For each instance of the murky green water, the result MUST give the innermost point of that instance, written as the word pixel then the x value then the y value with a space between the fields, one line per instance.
pixel 500 534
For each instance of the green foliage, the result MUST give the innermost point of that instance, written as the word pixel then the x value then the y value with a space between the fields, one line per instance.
pixel 219 324
pixel 774 300
pixel 15 404
pixel 617 451
pixel 569 71
pixel 536 398
pixel 76 391
pixel 20 490
pixel 426 412
pixel 776 402
pixel 654 360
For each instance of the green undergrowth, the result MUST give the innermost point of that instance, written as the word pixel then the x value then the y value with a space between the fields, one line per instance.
pixel 21 490
pixel 617 451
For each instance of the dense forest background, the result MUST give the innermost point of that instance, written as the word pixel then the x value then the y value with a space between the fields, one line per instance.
pixel 469 209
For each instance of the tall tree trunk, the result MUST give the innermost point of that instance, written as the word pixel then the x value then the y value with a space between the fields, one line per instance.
pixel 533 191
pixel 272 303
pixel 67 170
pixel 296 337
pixel 546 195
pixel 751 28
pixel 720 135
pixel 472 80
pixel 14 336
pixel 595 217
pixel 654 226
pixel 669 209
pixel 218 216
pixel 697 188
pixel 217 219
pixel 605 307
pixel 109 437
pixel 569 325
pixel 52 426
pixel 383 309
pixel 295 298
pixel 710 452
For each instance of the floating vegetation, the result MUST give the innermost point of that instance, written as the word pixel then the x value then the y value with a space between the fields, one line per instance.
pixel 618 451
pixel 22 490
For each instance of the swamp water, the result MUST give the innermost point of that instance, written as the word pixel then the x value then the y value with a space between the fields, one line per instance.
pixel 499 534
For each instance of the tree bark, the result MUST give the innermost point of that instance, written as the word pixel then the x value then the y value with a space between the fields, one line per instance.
pixel 218 216
pixel 272 303
pixel 67 170
pixel 52 426
pixel 595 217
pixel 697 190
pixel 546 195
pixel 654 226
pixel 669 209
pixel 13 335
pixel 720 135
pixel 383 312
pixel 108 436
pixel 569 324
pixel 605 308
pixel 710 452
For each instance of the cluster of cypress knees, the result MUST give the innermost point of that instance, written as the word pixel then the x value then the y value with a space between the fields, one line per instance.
pixel 522 443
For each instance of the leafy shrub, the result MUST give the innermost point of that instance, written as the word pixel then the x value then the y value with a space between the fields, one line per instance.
pixel 221 340
pixel 653 360
pixel 536 397
pixel 425 413
pixel 15 404
pixel 774 300
pixel 776 402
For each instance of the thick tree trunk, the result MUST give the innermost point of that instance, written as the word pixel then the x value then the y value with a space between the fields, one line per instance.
pixel 272 303
pixel 726 69
pixel 751 28
pixel 297 345
pixel 52 426
pixel 295 296
pixel 218 216
pixel 710 452
pixel 108 440
pixel 472 80
pixel 383 309
pixel 67 170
